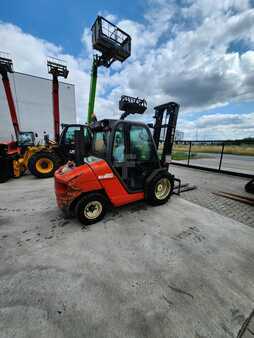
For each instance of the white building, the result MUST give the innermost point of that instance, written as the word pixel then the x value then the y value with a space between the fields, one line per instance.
pixel 33 100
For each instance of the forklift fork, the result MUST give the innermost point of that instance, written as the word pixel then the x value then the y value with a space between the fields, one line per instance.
pixel 177 189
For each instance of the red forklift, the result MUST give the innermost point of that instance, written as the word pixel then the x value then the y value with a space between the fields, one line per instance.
pixel 126 164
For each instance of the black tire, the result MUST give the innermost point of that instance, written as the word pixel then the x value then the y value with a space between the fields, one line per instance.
pixel 50 157
pixel 151 188
pixel 100 202
pixel 249 187
pixel 4 179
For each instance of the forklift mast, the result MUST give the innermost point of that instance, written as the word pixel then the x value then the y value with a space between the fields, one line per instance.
pixel 113 44
pixel 6 66
pixel 164 129
pixel 56 68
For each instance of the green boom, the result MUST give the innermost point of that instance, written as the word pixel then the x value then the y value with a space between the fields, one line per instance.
pixel 92 92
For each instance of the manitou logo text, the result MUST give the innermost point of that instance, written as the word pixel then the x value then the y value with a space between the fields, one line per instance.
pixel 106 176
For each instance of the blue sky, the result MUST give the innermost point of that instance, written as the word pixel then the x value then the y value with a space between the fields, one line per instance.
pixel 62 22
pixel 199 53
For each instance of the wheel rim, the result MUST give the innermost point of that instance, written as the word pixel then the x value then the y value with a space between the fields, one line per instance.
pixel 93 210
pixel 44 165
pixel 162 189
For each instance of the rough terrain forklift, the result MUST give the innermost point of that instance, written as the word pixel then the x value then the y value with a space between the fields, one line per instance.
pixel 123 167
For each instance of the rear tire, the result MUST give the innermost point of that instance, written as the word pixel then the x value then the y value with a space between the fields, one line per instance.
pixel 43 164
pixel 159 189
pixel 91 208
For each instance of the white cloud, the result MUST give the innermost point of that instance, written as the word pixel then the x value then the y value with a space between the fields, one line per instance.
pixel 109 16
pixel 194 67
pixel 219 126
pixel 205 8
pixel 190 65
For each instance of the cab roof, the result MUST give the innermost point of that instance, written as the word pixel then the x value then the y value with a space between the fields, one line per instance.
pixel 108 124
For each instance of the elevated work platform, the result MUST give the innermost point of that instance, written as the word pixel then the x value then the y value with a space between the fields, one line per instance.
pixel 110 40
pixel 57 67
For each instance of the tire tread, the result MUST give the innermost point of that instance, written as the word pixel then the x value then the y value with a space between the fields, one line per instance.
pixel 150 188
pixel 35 157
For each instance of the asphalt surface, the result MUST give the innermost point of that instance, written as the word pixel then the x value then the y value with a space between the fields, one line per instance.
pixel 179 270
pixel 237 163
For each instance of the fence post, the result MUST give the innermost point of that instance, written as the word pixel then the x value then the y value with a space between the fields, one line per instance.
pixel 221 155
pixel 189 154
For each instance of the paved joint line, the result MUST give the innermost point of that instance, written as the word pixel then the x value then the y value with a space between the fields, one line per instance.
pixel 245 325
pixel 180 291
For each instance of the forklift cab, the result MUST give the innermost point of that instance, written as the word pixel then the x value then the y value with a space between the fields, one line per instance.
pixel 128 148
pixel 67 139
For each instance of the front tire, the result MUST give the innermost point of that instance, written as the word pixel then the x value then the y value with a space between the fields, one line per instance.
pixel 91 208
pixel 159 189
pixel 43 164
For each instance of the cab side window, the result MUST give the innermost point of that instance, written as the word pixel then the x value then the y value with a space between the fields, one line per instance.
pixel 119 145
pixel 69 136
pixel 141 144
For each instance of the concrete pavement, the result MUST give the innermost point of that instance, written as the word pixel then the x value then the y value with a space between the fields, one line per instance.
pixel 179 270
